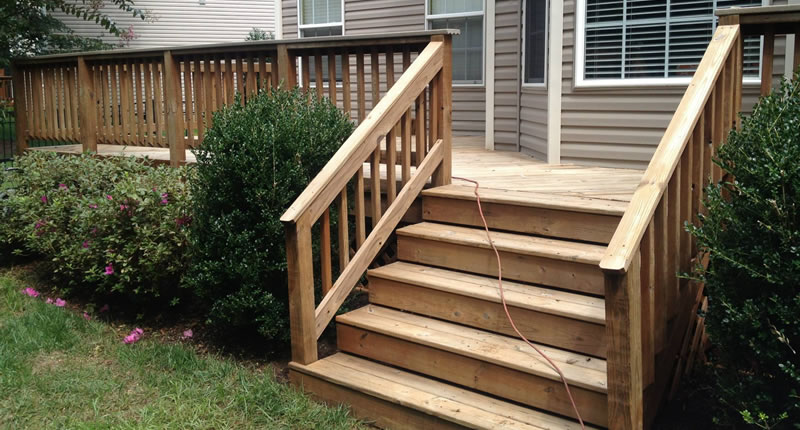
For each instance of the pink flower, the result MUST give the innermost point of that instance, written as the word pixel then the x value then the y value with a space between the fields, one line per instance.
pixel 123 207
pixel 134 336
pixel 30 292
pixel 164 198
pixel 108 196
pixel 60 303
pixel 49 301
pixel 44 199
pixel 187 334
pixel 109 269
pixel 62 186
pixel 86 316
pixel 93 231
pixel 105 308
pixel 85 244
pixel 92 206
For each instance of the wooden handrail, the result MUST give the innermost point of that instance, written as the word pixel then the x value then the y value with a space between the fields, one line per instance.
pixel 327 184
pixel 427 78
pixel 625 242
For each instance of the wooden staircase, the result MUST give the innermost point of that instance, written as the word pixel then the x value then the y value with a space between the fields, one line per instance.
pixel 434 347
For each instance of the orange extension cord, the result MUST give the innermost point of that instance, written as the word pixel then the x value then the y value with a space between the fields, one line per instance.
pixel 505 307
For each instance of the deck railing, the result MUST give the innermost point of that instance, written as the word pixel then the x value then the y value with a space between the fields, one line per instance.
pixel 643 289
pixel 423 132
pixel 166 97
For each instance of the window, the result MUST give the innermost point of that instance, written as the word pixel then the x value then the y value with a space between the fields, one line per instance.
pixel 535 42
pixel 466 16
pixel 321 18
pixel 661 39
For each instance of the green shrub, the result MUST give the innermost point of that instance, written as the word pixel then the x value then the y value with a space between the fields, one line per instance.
pixel 252 164
pixel 104 225
pixel 752 233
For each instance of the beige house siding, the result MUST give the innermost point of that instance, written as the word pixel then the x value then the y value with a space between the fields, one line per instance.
pixel 506 75
pixel 184 22
pixel 363 17
pixel 619 127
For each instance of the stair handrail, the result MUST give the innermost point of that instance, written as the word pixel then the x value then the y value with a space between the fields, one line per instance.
pixel 650 245
pixel 431 70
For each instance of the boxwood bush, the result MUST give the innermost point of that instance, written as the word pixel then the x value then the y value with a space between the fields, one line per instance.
pixel 252 164
pixel 103 225
pixel 752 234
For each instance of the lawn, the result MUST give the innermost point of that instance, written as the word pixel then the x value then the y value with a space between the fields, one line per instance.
pixel 59 370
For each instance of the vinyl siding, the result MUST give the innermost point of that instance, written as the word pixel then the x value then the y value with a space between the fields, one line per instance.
pixel 185 22
pixel 533 122
pixel 619 127
pixel 364 17
pixel 506 74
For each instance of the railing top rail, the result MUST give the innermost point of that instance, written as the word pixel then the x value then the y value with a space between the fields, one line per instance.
pixel 625 242
pixel 758 20
pixel 402 38
pixel 333 177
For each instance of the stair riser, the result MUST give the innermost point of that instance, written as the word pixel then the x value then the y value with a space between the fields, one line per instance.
pixel 522 219
pixel 490 378
pixel 581 277
pixel 562 332
pixel 380 412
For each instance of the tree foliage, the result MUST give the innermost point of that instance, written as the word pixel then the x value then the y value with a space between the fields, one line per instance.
pixel 28 27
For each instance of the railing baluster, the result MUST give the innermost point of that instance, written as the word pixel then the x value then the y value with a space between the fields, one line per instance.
pixel 73 88
pixel 61 104
pixel 318 73
pixel 376 78
pixel 240 78
pixel 139 101
pixel 208 93
pixel 686 205
pixel 405 145
pixel 68 102
pixel 662 272
pixel 648 305
pixel 375 186
pixel 673 242
pixel 420 127
pixel 361 86
pixel 766 62
pixel 346 85
pixel 263 76
pixel 391 163
pixel 359 208
pixel 160 118
pixel 332 76
pixel 230 90
pixel 305 65
pixel 343 236
pixel 252 85
pixel 326 275
pixel 150 116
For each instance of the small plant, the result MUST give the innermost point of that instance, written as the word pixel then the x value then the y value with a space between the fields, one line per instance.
pixel 259 34
pixel 110 225
pixel 752 235
pixel 252 164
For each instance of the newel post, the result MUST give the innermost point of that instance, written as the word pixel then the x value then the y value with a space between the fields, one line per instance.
pixel 20 109
pixel 443 176
pixel 624 357
pixel 174 106
pixel 287 67
pixel 87 107
pixel 301 292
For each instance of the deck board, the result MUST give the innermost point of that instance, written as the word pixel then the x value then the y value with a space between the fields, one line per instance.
pixel 511 171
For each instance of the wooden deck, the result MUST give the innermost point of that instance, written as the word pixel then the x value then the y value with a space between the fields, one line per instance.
pixel 493 169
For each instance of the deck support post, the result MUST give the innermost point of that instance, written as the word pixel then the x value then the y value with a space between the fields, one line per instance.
pixel 87 107
pixel 20 110
pixel 301 293
pixel 172 94
pixel 624 358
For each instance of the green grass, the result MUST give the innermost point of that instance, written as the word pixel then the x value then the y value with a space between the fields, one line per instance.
pixel 58 370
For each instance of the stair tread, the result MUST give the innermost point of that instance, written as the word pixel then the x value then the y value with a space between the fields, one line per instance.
pixel 426 395
pixel 577 306
pixel 510 242
pixel 580 370
pixel 531 199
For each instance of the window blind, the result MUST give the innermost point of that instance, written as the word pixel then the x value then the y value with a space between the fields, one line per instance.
pixel 321 11
pixel 629 39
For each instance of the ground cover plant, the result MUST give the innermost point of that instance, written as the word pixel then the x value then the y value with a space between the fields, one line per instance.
pixel 752 234
pixel 60 368
pixel 105 226
pixel 255 160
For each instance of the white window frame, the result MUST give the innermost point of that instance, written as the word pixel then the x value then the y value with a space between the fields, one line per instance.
pixel 580 56
pixel 542 84
pixel 432 17
pixel 301 26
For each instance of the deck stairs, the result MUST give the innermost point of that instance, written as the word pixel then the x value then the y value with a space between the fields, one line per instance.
pixel 433 348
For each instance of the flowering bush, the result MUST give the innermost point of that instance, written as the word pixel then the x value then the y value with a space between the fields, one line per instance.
pixel 252 164
pixel 110 225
